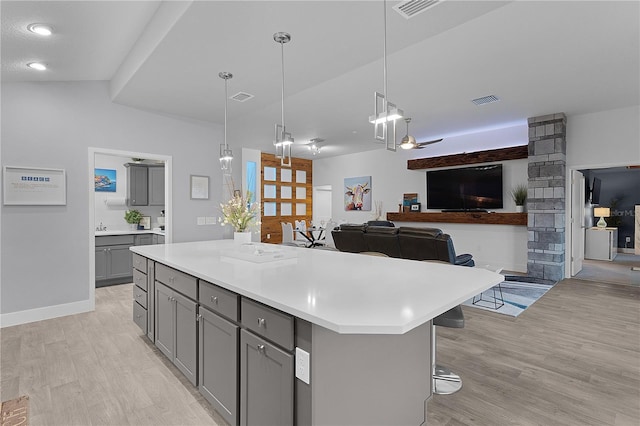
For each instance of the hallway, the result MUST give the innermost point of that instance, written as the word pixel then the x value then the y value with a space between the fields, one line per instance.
pixel 618 271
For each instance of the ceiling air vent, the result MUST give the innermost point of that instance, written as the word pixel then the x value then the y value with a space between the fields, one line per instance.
pixel 485 100
pixel 409 9
pixel 241 97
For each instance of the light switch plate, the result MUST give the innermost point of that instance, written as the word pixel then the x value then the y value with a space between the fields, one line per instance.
pixel 303 365
pixel 201 220
pixel 211 220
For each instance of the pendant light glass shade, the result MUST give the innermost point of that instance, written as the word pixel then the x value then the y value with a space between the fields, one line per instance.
pixel 283 139
pixel 385 113
pixel 226 156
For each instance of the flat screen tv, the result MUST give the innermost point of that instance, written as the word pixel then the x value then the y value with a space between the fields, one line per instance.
pixel 468 188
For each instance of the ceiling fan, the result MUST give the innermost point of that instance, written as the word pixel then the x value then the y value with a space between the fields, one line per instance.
pixel 409 142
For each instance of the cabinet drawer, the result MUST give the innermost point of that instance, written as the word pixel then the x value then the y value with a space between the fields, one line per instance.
pixel 140 279
pixel 140 316
pixel 114 240
pixel 219 300
pixel 268 322
pixel 139 262
pixel 140 296
pixel 177 280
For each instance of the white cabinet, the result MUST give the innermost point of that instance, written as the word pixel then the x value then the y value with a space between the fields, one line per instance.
pixel 601 243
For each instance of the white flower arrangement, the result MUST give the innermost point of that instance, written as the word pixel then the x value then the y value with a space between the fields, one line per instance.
pixel 240 213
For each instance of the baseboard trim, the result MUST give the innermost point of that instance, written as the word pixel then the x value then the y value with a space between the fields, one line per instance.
pixel 626 250
pixel 45 313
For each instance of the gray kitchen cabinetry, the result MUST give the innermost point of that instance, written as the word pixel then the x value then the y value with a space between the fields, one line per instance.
pixel 158 239
pixel 266 382
pixel 113 259
pixel 218 349
pixel 176 328
pixel 156 185
pixel 140 299
pixel 137 184
pixel 218 364
pixel 144 239
pixel 266 371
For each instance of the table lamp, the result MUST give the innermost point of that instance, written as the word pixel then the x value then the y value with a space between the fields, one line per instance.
pixel 602 212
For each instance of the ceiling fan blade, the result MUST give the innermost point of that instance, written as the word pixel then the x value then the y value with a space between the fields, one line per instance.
pixel 424 144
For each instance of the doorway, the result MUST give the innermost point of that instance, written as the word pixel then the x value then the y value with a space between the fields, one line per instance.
pixel 125 156
pixel 623 185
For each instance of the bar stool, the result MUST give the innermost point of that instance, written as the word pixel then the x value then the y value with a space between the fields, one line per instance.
pixel 444 381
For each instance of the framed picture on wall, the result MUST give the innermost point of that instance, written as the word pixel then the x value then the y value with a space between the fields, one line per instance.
pixel 34 186
pixel 199 187
pixel 357 195
pixel 105 180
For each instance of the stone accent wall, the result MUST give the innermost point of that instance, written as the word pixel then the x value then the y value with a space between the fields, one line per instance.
pixel 546 196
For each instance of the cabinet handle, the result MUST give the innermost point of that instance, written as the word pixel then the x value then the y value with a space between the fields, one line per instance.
pixel 198 317
pixel 262 322
pixel 172 279
pixel 138 316
pixel 169 298
pixel 214 299
pixel 261 349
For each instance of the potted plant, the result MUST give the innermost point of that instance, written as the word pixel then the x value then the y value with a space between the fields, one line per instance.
pixel 241 214
pixel 133 218
pixel 519 195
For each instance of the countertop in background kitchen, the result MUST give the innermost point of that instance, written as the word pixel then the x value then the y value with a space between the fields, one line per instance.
pixel 129 232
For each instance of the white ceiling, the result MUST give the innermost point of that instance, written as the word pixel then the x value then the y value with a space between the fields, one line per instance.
pixel 538 57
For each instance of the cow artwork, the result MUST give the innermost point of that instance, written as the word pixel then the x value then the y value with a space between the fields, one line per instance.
pixel 357 194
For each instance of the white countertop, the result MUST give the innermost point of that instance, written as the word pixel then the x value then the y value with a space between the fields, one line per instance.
pixel 344 292
pixel 129 232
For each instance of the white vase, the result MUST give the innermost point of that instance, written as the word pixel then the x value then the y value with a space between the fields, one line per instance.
pixel 519 209
pixel 133 226
pixel 242 237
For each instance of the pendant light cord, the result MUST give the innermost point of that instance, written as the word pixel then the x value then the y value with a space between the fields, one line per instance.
pixel 282 56
pixel 226 146
pixel 384 54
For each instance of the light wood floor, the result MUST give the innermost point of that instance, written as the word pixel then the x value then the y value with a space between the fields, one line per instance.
pixel 573 358
pixel 97 369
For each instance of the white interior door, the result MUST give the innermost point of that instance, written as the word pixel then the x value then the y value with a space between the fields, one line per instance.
pixel 577 221
pixel 321 203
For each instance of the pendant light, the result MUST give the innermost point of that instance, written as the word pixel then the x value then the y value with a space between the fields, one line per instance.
pixel 283 139
pixel 226 156
pixel 385 112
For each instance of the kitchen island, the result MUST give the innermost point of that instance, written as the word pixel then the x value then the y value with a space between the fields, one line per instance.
pixel 364 320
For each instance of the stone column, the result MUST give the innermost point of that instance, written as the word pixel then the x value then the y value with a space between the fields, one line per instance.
pixel 546 196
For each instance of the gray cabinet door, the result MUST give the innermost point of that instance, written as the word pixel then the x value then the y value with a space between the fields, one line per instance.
pixel 266 382
pixel 164 320
pixel 120 262
pixel 186 337
pixel 156 185
pixel 137 185
pixel 218 364
pixel 101 263
pixel 144 239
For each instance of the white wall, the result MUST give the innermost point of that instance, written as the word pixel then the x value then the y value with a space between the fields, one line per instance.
pixel 45 256
pixel 603 139
pixel 500 245
pixel 112 215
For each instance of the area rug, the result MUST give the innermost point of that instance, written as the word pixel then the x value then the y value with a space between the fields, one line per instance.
pixel 517 293
pixel 15 412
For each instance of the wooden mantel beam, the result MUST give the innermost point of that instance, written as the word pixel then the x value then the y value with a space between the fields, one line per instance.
pixel 501 154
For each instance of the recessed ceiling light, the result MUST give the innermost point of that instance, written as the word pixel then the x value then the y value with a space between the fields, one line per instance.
pixel 40 29
pixel 37 66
